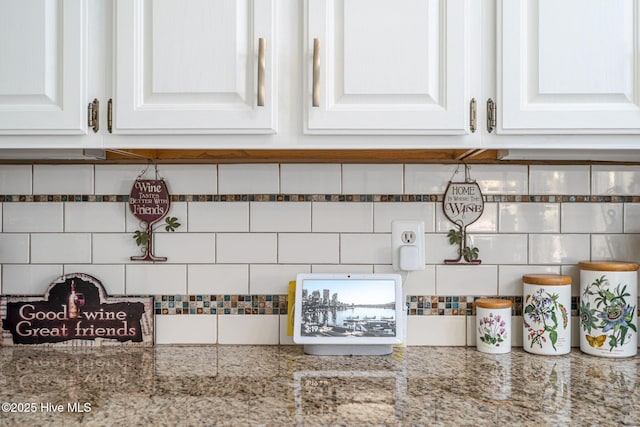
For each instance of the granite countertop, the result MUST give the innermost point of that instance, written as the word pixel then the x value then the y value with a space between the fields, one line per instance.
pixel 280 386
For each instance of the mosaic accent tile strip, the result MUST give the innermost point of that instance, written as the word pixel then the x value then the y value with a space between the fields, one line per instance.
pixel 395 198
pixel 220 304
pixel 417 305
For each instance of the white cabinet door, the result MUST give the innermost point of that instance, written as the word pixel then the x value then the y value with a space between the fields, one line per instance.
pixel 43 67
pixel 193 66
pixel 394 67
pixel 568 66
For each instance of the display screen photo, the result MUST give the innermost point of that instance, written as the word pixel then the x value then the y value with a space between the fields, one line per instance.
pixel 348 308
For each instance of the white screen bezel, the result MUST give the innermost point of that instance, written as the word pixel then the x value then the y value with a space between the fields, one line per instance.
pixel 400 308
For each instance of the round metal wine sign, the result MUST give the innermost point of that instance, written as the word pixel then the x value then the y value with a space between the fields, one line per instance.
pixel 463 203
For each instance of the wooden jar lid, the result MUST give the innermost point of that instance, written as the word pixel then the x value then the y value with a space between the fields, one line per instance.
pixel 546 279
pixel 608 266
pixel 493 303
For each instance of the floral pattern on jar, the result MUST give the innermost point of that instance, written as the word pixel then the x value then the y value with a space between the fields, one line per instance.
pixel 542 310
pixel 612 314
pixel 492 330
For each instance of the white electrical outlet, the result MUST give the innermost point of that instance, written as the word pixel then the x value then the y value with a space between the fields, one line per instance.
pixel 407 245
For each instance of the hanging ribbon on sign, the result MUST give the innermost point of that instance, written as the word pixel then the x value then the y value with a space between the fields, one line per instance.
pixel 149 201
pixel 463 204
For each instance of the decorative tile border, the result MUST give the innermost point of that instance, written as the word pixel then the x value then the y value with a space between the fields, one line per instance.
pixel 220 304
pixel 417 305
pixel 394 198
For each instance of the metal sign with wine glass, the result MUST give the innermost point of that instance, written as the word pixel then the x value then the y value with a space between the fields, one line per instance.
pixel 463 204
pixel 149 201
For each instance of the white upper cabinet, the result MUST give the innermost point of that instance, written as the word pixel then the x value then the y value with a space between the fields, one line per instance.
pixel 568 67
pixel 387 67
pixel 195 66
pixel 43 67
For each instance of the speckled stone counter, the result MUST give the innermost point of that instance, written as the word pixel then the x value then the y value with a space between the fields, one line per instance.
pixel 280 386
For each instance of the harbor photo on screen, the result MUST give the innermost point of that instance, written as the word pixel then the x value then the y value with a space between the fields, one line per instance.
pixel 348 308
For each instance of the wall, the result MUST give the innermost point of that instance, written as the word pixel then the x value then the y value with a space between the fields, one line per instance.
pixel 247 229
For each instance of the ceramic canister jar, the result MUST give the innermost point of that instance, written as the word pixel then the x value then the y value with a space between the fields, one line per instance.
pixel 608 308
pixel 493 325
pixel 546 315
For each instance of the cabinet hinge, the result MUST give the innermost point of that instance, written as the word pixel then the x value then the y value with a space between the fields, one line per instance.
pixel 473 117
pixel 491 115
pixel 93 115
pixel 110 115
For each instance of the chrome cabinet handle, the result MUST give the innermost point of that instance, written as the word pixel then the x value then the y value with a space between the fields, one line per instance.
pixel 262 46
pixel 316 73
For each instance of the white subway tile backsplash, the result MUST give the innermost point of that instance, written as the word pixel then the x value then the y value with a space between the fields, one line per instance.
pixel 248 179
pixel 420 282
pixel 344 269
pixel 631 218
pixel 430 179
pixel 156 279
pixel 27 279
pixel 308 248
pixel 620 180
pixel 365 248
pixel 32 217
pixel 615 247
pixel 273 279
pixel 190 179
pixel 114 248
pixel 466 280
pixel 591 218
pixel 342 217
pixel 221 217
pixel 372 179
pixel 63 179
pixel 246 248
pixel 438 249
pixel 111 276
pixel 14 248
pixel 63 248
pixel 500 248
pixel 94 217
pixel 253 330
pixel 437 330
pixel 529 217
pixel 184 248
pixel 558 248
pixel 310 178
pixel 200 329
pixel 510 276
pixel 218 279
pixel 385 213
pixel 278 216
pixel 559 179
pixel 501 179
pixel 16 179
pixel 119 179
pixel 487 223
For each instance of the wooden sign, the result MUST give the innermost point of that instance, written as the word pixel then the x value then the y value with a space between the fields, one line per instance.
pixel 74 310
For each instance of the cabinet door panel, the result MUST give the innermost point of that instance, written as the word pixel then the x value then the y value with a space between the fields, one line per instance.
pixel 192 67
pixel 43 67
pixel 388 67
pixel 569 66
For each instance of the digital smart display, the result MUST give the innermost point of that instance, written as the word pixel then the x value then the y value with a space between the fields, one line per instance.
pixel 348 309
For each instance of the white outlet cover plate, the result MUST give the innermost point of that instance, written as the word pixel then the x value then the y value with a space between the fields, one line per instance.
pixel 397 228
